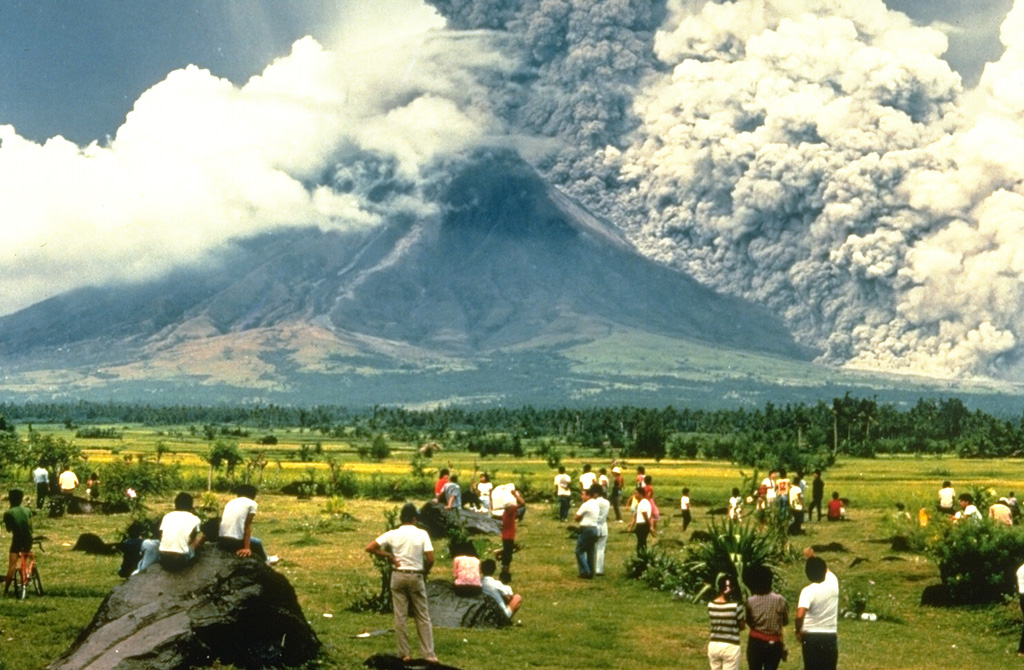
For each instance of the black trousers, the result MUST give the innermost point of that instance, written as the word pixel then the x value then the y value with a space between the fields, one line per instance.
pixel 821 651
pixel 763 655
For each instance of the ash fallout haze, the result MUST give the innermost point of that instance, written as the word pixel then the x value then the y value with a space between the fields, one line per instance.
pixel 851 167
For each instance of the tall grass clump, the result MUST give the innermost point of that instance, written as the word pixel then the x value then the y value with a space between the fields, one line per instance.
pixel 978 561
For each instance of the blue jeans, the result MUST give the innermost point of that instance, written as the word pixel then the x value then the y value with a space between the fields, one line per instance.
pixel 563 507
pixel 586 545
pixel 151 554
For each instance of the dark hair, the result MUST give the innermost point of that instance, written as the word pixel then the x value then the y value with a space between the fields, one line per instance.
pixel 640 469
pixel 967 498
pixel 686 491
pixel 835 495
pixel 586 467
pixel 735 491
pixel 946 484
pixel 782 474
pixel 817 472
pixel 183 502
pixel 641 491
pixel 245 491
pixel 408 513
pixel 454 479
pixel 603 471
pixel 759 579
pixel 596 490
pixel 15 496
pixel 726 580
pixel 462 549
pixel 484 476
pixel 561 468
pixel 648 479
pixel 815 569
pixel 488 567
pixel 442 472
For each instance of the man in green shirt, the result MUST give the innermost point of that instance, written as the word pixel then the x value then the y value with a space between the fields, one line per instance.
pixel 18 522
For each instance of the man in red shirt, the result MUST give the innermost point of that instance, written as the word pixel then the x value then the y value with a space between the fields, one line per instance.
pixel 508 529
pixel 835 507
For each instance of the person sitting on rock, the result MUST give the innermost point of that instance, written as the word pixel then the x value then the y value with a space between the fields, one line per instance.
pixel 179 537
pixel 236 526
pixel 502 593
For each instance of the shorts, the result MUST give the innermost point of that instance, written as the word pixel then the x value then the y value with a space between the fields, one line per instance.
pixel 21 545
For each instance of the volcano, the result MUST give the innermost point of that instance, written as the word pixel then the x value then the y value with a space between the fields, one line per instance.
pixel 512 286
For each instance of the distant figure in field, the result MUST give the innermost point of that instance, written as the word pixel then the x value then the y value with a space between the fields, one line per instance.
pixel 451 494
pixel 411 555
pixel 641 473
pixel 727 620
pixel 649 493
pixel 641 523
pixel 442 480
pixel 511 506
pixel 618 484
pixel 782 485
pixel 767 490
pixel 684 507
pixel 767 617
pixel 483 490
pixel 1000 512
pixel 563 493
pixel 466 569
pixel 586 542
pixel 947 498
pixel 817 617
pixel 603 507
pixel 796 508
pixel 41 478
pixel 602 479
pixel 502 593
pixel 836 511
pixel 967 511
pixel 92 486
pixel 736 505
pixel 1014 504
pixel 68 482
pixel 180 535
pixel 588 478
pixel 817 495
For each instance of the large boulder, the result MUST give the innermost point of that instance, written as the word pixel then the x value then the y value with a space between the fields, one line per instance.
pixel 435 519
pixel 220 607
pixel 448 610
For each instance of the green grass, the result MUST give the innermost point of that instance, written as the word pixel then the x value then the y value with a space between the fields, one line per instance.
pixel 605 623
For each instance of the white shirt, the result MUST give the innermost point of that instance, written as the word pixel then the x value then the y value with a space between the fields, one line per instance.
pixel 587 480
pixel 769 485
pixel 684 503
pixel 603 481
pixel 1020 580
pixel 589 512
pixel 495 589
pixel 822 603
pixel 40 476
pixel 562 482
pixel 970 513
pixel 176 531
pixel 67 480
pixel 232 522
pixel 946 497
pixel 644 507
pixel 408 543
pixel 796 500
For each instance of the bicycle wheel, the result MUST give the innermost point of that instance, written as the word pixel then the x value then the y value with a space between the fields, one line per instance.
pixel 19 585
pixel 37 581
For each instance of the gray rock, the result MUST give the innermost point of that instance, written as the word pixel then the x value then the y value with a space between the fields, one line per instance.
pixel 220 607
pixel 448 610
pixel 435 519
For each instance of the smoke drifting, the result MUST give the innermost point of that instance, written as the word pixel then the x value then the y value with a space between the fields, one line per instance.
pixel 817 156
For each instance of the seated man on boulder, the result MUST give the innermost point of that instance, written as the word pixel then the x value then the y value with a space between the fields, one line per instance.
pixel 179 537
pixel 236 526
pixel 502 593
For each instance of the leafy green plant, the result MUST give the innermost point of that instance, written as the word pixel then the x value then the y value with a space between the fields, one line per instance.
pixel 978 561
pixel 380 602
pixel 731 548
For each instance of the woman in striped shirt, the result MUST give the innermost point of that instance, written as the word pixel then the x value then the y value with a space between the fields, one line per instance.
pixel 726 613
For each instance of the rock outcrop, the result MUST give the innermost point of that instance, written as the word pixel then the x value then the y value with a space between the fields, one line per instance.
pixel 448 610
pixel 435 519
pixel 219 607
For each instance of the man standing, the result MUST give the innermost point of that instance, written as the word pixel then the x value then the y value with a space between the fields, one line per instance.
pixel 236 526
pixel 586 542
pixel 509 514
pixel 411 555
pixel 41 478
pixel 616 497
pixel 562 493
pixel 588 478
pixel 603 507
pixel 67 482
pixel 817 617
pixel 817 495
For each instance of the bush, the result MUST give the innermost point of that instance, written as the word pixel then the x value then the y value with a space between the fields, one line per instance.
pixel 146 478
pixel 730 549
pixel 978 561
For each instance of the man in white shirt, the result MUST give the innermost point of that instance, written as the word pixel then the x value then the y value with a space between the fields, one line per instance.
pixel 947 498
pixel 586 542
pixel 603 508
pixel 796 507
pixel 641 523
pixel 587 479
pixel 562 493
pixel 236 526
pixel 502 593
pixel 179 536
pixel 817 617
pixel 968 511
pixel 411 554
pixel 41 478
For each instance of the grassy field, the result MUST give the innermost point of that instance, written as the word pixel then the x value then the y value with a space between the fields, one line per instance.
pixel 605 623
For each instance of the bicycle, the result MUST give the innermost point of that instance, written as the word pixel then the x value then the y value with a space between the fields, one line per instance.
pixel 27 573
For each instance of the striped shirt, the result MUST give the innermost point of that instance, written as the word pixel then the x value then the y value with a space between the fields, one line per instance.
pixel 726 619
pixel 767 613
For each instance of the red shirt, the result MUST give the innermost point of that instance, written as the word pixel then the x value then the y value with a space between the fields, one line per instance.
pixel 440 485
pixel 508 523
pixel 835 509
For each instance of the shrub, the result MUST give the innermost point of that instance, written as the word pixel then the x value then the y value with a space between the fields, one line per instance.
pixel 730 549
pixel 978 561
pixel 146 478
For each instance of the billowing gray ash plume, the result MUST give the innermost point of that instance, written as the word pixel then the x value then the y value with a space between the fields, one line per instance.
pixel 817 156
